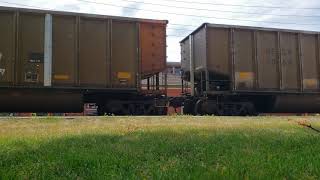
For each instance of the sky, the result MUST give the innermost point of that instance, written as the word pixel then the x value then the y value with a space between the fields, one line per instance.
pixel 184 16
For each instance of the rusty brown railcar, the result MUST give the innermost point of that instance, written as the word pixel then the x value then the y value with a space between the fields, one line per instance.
pixel 244 70
pixel 56 61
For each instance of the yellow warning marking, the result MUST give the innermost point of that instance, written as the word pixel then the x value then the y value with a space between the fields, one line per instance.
pixel 310 83
pixel 245 75
pixel 244 79
pixel 124 75
pixel 61 77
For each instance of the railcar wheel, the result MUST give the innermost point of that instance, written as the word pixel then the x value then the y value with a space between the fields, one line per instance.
pixel 101 110
pixel 188 108
pixel 124 109
pixel 150 110
pixel 244 111
pixel 248 109
pixel 219 110
pixel 161 111
pixel 132 109
pixel 198 108
pixel 252 110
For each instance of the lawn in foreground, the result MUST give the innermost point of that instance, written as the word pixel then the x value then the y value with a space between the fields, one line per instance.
pixel 159 147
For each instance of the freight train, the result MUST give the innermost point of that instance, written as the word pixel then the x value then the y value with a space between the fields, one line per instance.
pixel 236 70
pixel 57 61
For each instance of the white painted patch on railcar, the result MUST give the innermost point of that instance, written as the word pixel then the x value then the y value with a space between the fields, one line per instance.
pixel 2 71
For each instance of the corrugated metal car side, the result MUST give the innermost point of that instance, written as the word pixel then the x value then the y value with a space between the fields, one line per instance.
pixel 310 61
pixel 244 59
pixel 7 47
pixel 94 53
pixel 124 54
pixel 153 48
pixel 219 58
pixel 64 46
pixel 185 55
pixel 257 59
pixel 87 51
pixel 30 69
pixel 267 69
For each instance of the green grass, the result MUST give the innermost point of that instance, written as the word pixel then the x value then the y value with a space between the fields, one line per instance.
pixel 159 148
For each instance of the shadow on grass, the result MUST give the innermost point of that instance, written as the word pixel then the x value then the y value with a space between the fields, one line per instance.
pixel 165 154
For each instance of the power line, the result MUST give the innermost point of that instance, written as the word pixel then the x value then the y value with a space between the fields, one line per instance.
pixel 241 5
pixel 186 25
pixel 202 3
pixel 24 5
pixel 176 36
pixel 197 16
pixel 180 29
pixel 224 11
pixel 36 7
pixel 164 13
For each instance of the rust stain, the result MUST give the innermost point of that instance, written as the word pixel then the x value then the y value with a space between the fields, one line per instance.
pixel 153 48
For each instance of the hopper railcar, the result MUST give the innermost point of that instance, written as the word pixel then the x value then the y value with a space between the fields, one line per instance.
pixel 56 61
pixel 237 70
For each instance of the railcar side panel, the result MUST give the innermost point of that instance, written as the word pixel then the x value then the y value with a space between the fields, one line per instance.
pixel 269 70
pixel 310 62
pixel 244 59
pixel 153 48
pixel 31 49
pixel 268 60
pixel 218 62
pixel 124 55
pixel 56 61
pixel 289 61
pixel 94 53
pixel 64 47
pixel 7 48
pixel 185 55
pixel 200 49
